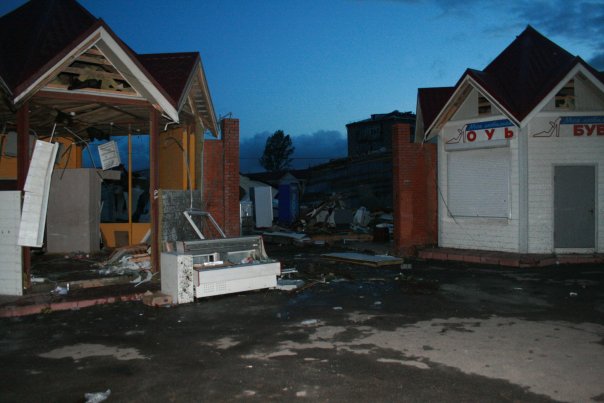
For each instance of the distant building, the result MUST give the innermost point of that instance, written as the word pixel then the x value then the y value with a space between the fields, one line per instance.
pixel 364 178
pixel 374 134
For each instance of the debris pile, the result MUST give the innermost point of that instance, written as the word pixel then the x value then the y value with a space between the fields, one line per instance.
pixel 132 259
pixel 331 222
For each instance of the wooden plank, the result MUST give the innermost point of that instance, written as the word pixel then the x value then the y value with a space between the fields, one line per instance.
pixel 154 188
pixel 99 282
pixel 363 259
pixel 120 98
pixel 96 73
pixel 95 60
pixel 351 236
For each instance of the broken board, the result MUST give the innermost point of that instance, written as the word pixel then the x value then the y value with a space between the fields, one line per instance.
pixel 363 259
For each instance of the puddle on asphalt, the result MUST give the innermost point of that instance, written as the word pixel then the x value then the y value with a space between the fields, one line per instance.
pixel 561 360
pixel 80 351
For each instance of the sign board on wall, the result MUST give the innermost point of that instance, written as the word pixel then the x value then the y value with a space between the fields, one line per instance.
pixel 568 126
pixel 493 133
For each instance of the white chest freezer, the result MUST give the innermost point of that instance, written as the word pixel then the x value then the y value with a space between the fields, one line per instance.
pixel 217 266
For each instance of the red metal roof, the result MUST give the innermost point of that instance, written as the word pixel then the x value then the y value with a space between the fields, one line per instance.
pixel 171 70
pixel 519 78
pixel 431 102
pixel 37 34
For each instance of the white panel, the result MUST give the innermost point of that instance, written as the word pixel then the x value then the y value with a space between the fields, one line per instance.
pixel 10 252
pixel 479 183
pixel 545 153
pixel 177 277
pixel 263 206
pixel 37 184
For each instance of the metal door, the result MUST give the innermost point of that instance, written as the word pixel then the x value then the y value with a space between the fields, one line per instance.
pixel 574 206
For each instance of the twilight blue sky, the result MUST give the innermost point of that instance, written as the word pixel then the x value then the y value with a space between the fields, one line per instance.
pixel 309 67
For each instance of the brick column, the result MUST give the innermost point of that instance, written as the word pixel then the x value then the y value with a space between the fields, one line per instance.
pixel 414 192
pixel 221 178
pixel 230 136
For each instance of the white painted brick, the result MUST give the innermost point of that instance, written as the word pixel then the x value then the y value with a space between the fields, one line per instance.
pixel 545 153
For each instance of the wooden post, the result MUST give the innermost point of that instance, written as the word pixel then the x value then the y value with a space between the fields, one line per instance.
pixel 130 237
pixel 154 188
pixel 22 168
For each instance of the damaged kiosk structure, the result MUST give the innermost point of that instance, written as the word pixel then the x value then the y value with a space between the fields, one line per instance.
pixel 67 80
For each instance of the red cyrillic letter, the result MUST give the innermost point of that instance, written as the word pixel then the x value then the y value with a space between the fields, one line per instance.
pixel 490 133
pixel 508 133
pixel 471 135
pixel 578 130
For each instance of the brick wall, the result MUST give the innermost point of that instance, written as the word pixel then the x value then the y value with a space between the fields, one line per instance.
pixel 414 192
pixel 221 178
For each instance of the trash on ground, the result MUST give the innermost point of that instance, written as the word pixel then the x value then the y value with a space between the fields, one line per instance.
pixel 97 397
pixel 289 284
pixel 157 298
pixel 148 276
pixel 573 294
pixel 288 271
pixel 309 322
pixel 59 290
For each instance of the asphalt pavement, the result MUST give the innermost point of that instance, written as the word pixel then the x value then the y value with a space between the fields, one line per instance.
pixel 427 334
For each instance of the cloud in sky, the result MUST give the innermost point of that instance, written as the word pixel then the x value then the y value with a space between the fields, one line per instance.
pixel 310 149
pixel 579 21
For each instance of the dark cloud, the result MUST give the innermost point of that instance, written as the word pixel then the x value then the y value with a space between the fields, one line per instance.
pixel 598 61
pixel 580 21
pixel 310 149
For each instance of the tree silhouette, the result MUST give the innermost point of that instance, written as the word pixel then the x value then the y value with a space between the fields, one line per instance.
pixel 277 152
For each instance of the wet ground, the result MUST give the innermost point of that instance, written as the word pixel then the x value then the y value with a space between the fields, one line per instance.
pixel 430 333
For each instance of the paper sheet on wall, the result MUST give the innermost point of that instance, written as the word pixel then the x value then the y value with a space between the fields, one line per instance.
pixel 109 154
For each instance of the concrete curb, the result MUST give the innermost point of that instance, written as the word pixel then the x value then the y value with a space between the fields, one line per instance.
pixel 34 309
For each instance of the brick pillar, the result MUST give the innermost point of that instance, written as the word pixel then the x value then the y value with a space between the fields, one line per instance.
pixel 414 192
pixel 230 135
pixel 221 178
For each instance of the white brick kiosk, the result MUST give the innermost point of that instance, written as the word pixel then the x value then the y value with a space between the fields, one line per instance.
pixel 520 152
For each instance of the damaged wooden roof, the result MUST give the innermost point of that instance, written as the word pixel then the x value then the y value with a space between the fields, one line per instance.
pixel 518 80
pixel 52 49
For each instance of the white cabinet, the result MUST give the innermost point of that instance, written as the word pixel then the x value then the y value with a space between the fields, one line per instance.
pixel 218 266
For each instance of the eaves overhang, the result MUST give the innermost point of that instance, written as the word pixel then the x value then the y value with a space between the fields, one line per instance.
pixel 120 56
pixel 462 90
